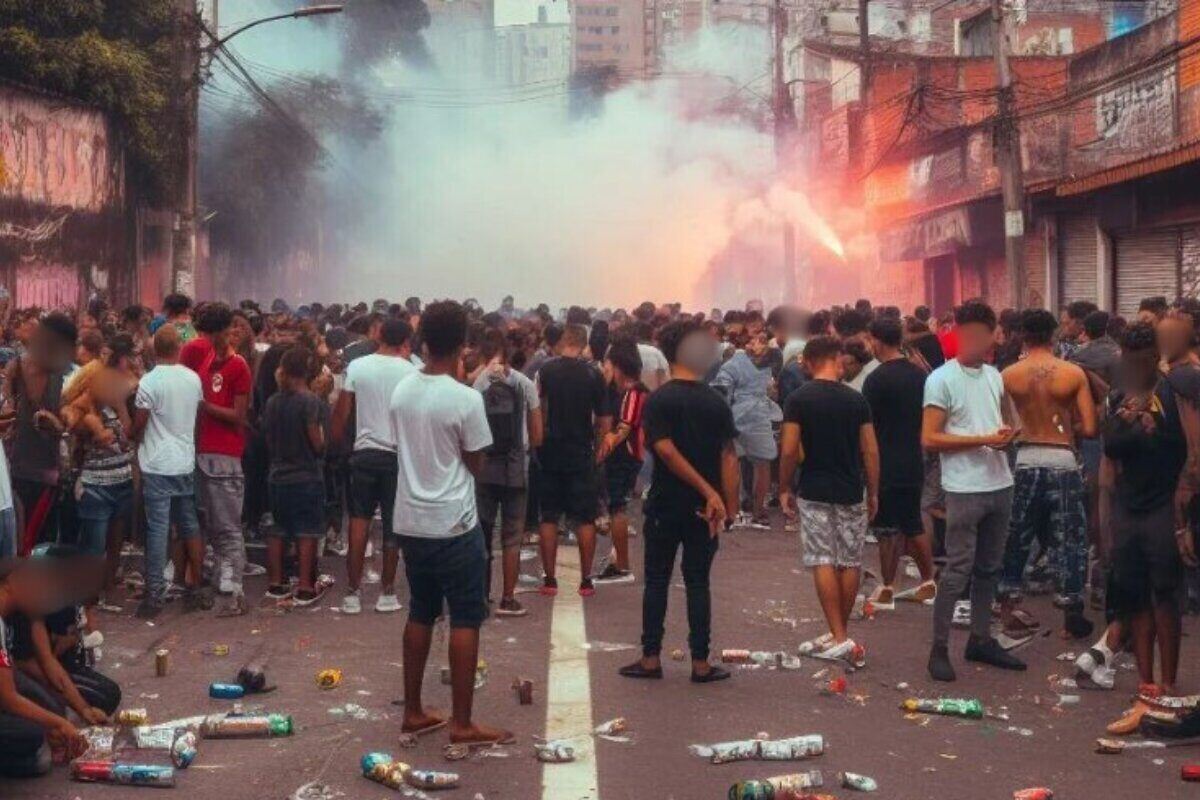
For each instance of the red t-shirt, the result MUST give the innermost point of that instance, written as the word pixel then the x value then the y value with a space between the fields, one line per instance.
pixel 222 381
pixel 949 341
pixel 193 354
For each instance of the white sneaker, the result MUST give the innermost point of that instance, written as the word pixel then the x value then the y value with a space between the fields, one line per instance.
pixel 1093 664
pixel 252 570
pixel 387 604
pixel 962 614
pixel 351 603
pixel 226 585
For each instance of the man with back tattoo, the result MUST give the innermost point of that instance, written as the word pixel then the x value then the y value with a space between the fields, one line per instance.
pixel 1053 404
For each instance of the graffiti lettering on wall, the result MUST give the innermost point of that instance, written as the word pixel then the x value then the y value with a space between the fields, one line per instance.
pixel 47 285
pixel 1138 115
pixel 54 154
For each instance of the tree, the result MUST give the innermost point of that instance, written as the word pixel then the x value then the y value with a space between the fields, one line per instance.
pixel 114 54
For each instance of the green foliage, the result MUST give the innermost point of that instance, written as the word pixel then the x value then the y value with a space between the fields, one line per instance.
pixel 114 54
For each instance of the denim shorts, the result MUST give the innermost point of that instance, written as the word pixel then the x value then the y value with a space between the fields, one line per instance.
pixel 299 508
pixel 96 508
pixel 450 572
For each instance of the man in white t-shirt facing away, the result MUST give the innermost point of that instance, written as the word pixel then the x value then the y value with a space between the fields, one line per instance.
pixel 441 432
pixel 370 381
pixel 963 423
pixel 165 422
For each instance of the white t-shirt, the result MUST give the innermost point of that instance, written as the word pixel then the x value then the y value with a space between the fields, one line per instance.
pixel 857 383
pixel 435 419
pixel 373 378
pixel 652 361
pixel 6 498
pixel 171 393
pixel 971 398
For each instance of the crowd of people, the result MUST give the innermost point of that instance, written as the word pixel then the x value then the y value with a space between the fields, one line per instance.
pixel 998 453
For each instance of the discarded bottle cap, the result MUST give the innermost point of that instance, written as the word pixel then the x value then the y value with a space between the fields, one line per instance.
pixel 329 678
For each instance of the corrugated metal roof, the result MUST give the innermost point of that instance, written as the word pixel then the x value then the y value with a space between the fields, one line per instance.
pixel 1182 154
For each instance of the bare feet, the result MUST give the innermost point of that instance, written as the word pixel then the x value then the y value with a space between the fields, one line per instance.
pixel 476 734
pixel 422 723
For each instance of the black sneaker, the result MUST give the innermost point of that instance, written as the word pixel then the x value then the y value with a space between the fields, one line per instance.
pixel 306 597
pixel 988 651
pixel 510 607
pixel 614 574
pixel 197 600
pixel 148 609
pixel 940 668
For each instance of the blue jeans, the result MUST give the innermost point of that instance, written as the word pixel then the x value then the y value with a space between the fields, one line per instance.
pixel 168 498
pixel 96 510
pixel 8 532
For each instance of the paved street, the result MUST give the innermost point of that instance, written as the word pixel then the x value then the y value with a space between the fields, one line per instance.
pixel 760 594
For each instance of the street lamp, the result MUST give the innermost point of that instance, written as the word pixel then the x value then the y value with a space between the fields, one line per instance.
pixel 300 13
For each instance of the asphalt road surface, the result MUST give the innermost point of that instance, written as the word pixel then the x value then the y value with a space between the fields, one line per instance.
pixel 571 648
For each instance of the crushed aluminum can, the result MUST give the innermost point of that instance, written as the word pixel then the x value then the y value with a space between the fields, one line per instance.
pixel 794 748
pixel 859 783
pixel 727 752
pixel 524 689
pixel 183 749
pixel 162 662
pixel 554 752
pixel 735 656
pixel 329 678
pixel 131 717
pixel 613 727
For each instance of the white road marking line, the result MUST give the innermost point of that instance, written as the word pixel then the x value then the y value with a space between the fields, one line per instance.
pixel 569 694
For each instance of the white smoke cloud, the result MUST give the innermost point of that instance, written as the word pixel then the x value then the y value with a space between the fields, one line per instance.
pixel 482 191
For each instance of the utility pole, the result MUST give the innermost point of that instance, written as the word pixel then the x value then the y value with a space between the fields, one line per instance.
pixel 183 244
pixel 864 61
pixel 1007 143
pixel 783 115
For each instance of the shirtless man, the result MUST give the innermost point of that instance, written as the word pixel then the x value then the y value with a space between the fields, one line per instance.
pixel 1054 403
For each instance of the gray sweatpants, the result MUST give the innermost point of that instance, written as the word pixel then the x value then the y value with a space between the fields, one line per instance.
pixel 976 535
pixel 220 487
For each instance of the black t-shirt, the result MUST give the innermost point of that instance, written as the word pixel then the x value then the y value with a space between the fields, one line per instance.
pixel 1149 463
pixel 830 416
pixel 895 391
pixel 699 423
pixel 285 426
pixel 572 394
pixel 930 348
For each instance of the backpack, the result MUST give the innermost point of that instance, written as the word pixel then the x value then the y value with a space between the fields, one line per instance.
pixel 502 405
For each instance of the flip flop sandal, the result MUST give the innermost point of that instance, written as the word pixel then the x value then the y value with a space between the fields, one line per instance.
pixel 419 732
pixel 1026 619
pixel 458 751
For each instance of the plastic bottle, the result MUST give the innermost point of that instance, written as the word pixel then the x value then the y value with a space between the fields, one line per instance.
pixel 383 769
pixel 226 691
pixel 127 774
pixel 261 726
pixel 947 706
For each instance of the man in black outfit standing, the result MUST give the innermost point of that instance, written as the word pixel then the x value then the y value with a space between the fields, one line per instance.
pixel 693 493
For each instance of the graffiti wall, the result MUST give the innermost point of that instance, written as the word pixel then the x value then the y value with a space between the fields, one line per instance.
pixel 55 153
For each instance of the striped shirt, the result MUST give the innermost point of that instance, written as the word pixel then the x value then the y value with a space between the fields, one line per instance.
pixel 108 465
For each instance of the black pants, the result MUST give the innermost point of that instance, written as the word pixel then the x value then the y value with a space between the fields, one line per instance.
pixel 664 536
pixel 99 690
pixel 24 752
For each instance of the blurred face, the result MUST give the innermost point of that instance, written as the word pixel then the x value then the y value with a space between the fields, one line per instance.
pixel 1139 370
pixel 50 351
pixel 975 341
pixel 240 332
pixel 850 367
pixel 1145 315
pixel 757 346
pixel 1174 336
